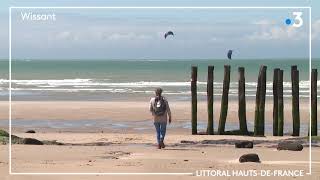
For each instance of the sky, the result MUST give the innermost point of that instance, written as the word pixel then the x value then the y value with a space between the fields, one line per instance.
pixel 138 33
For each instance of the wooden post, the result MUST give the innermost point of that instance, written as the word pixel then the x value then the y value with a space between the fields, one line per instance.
pixel 314 124
pixel 293 68
pixel 262 100
pixel 224 100
pixel 280 103
pixel 242 102
pixel 256 116
pixel 194 74
pixel 210 100
pixel 275 101
pixel 295 101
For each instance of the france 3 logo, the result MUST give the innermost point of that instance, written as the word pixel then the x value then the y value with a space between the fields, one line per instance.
pixel 296 21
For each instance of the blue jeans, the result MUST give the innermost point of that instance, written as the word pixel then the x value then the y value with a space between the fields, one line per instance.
pixel 161 128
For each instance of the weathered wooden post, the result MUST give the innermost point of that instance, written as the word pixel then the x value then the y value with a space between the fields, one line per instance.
pixel 314 124
pixel 224 100
pixel 194 109
pixel 210 100
pixel 275 101
pixel 262 100
pixel 256 115
pixel 280 103
pixel 295 101
pixel 293 68
pixel 242 102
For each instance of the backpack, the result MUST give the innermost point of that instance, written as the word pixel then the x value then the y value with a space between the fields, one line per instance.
pixel 159 107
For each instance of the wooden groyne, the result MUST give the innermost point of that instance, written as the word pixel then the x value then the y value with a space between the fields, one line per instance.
pixel 224 100
pixel 295 101
pixel 210 127
pixel 280 103
pixel 194 101
pixel 260 102
pixel 276 71
pixel 314 124
pixel 242 102
pixel 259 114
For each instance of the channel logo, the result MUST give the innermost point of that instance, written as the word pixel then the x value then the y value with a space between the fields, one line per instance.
pixel 296 21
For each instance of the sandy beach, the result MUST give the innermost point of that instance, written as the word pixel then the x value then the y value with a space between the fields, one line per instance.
pixel 136 153
pixel 94 149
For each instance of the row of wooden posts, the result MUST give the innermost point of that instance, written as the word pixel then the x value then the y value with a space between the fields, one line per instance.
pixel 259 119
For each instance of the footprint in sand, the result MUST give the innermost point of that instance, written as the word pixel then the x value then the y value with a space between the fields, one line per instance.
pixel 130 164
pixel 119 153
pixel 48 162
pixel 131 139
pixel 115 154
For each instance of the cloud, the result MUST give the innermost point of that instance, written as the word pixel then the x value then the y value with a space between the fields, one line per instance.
pixel 283 33
pixel 85 36
pixel 64 36
pixel 316 29
pixel 264 22
pixel 276 33
pixel 216 40
pixel 126 36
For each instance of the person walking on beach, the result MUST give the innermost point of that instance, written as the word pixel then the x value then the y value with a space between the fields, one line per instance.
pixel 160 110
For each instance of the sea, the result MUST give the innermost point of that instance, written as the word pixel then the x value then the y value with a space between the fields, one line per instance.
pixel 135 80
pixel 125 80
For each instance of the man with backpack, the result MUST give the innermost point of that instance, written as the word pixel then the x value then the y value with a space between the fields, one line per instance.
pixel 159 107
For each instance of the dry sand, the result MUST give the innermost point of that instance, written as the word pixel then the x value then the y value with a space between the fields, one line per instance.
pixel 137 153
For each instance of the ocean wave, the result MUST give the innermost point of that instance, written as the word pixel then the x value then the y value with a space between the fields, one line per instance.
pixel 232 92
pixel 78 83
pixel 71 89
pixel 52 82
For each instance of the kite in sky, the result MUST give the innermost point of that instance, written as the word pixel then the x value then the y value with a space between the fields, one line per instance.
pixel 230 54
pixel 167 34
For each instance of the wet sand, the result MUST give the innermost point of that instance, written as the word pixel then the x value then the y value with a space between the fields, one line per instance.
pixel 97 116
pixel 130 111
